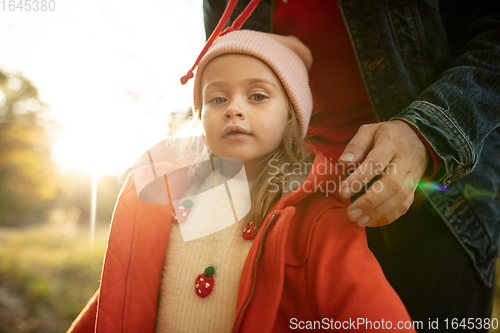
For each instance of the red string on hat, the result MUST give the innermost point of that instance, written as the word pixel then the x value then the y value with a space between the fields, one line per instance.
pixel 240 20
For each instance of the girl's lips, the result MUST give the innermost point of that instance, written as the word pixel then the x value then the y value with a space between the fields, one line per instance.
pixel 236 137
pixel 235 130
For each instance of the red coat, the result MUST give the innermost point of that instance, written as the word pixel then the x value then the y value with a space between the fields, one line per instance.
pixel 307 263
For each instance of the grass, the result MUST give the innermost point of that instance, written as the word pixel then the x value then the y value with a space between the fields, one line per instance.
pixel 54 268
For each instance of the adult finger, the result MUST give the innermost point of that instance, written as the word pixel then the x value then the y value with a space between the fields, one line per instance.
pixel 375 163
pixel 359 145
pixel 378 199
pixel 393 202
pixel 395 214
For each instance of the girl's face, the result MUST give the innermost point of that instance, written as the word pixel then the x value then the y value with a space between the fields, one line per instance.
pixel 244 110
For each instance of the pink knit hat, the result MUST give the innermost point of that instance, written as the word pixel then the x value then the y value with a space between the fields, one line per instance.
pixel 288 57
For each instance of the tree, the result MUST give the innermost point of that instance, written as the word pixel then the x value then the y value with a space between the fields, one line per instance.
pixel 28 180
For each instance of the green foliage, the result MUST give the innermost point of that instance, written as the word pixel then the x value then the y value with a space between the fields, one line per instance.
pixel 55 268
pixel 28 181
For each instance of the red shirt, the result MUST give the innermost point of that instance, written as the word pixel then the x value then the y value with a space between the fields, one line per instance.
pixel 341 104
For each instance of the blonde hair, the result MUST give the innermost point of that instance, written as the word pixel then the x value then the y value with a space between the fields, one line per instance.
pixel 267 186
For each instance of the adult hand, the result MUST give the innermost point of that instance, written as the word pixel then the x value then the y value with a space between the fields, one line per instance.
pixel 394 150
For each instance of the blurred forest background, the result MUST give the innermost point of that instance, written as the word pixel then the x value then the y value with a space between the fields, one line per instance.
pixel 48 269
pixel 84 90
pixel 50 257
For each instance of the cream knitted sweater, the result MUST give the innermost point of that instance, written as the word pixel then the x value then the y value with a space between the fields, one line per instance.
pixel 179 308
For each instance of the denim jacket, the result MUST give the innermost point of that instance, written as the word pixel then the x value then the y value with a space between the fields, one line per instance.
pixel 436 65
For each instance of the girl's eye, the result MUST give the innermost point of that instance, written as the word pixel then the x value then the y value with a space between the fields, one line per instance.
pixel 258 97
pixel 218 100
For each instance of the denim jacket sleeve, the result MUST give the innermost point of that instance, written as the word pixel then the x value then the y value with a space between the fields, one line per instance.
pixel 436 64
pixel 459 110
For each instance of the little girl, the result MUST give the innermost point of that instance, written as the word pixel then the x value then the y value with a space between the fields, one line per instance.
pixel 294 261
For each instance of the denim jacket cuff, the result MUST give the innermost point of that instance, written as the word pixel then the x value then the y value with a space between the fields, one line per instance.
pixel 444 136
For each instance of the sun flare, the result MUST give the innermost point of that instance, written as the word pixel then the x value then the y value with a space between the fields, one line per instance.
pixel 112 84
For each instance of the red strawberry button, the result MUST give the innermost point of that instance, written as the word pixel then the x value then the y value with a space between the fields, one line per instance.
pixel 184 209
pixel 204 283
pixel 183 213
pixel 249 231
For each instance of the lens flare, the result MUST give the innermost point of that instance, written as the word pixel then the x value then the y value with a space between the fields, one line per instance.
pixel 431 186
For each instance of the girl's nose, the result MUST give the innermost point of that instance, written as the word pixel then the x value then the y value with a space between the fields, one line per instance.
pixel 233 111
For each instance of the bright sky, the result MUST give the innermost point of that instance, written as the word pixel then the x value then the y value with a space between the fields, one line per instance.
pixel 108 69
